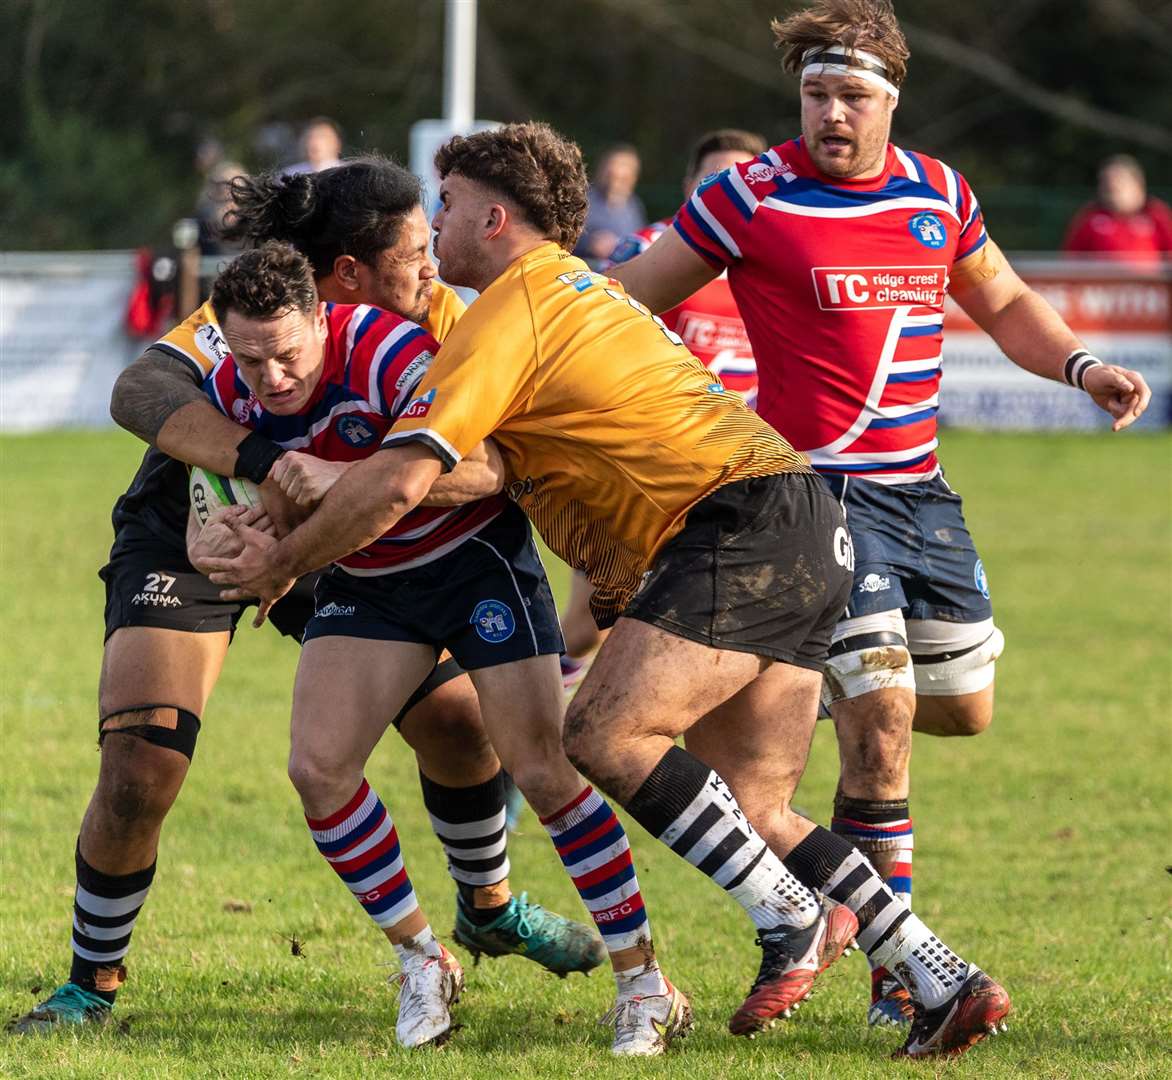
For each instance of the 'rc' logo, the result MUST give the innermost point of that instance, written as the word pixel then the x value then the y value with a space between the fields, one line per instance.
pixel 929 230
pixel 494 621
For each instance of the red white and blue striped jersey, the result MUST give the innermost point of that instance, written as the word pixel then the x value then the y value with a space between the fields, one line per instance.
pixel 708 321
pixel 841 284
pixel 373 364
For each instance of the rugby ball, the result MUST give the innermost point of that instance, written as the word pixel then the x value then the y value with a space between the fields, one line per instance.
pixel 209 492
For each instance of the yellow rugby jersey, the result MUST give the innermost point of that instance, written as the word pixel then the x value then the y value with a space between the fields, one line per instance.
pixel 609 428
pixel 199 342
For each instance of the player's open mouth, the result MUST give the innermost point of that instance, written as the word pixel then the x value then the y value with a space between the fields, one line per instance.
pixel 835 142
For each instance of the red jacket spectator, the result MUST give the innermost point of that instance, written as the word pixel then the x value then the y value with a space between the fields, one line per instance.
pixel 1124 223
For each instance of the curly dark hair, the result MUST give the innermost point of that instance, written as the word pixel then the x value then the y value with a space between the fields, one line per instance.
pixel 857 24
pixel 356 208
pixel 531 165
pixel 265 283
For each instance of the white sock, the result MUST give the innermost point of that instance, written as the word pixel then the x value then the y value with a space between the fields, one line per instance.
pixel 418 948
pixel 645 980
pixel 927 967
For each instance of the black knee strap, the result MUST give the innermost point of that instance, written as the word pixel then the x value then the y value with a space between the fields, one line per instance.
pixel 167 726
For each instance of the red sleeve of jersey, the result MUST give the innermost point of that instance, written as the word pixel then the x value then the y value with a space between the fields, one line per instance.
pixel 972 221
pixel 226 391
pixel 715 220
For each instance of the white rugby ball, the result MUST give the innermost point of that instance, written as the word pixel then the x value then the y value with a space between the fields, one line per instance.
pixel 210 492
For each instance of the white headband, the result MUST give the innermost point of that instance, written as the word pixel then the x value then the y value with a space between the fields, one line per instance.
pixel 840 60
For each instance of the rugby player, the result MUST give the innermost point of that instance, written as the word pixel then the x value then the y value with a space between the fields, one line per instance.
pixel 167 630
pixel 840 248
pixel 711 328
pixel 333 378
pixel 719 557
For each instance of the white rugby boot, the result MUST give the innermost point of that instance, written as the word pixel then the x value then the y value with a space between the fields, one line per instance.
pixel 645 1024
pixel 428 988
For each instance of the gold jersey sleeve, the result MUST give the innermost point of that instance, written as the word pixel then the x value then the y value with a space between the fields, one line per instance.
pixel 198 340
pixel 609 428
pixel 446 308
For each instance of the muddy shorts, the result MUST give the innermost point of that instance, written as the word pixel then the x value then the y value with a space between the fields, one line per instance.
pixel 761 566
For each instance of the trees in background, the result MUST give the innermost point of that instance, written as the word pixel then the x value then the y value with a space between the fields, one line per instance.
pixel 107 99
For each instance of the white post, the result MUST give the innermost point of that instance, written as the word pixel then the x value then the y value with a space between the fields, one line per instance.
pixel 460 64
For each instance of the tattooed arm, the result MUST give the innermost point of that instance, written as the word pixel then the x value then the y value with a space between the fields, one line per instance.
pixel 158 398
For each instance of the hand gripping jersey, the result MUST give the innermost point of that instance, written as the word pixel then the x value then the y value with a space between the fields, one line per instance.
pixel 609 428
pixel 708 321
pixel 841 284
pixel 374 362
pixel 156 502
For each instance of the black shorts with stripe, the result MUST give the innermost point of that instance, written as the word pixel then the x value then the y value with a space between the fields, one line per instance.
pixel 488 602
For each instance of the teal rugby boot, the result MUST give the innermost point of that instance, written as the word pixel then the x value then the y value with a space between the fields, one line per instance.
pixel 556 943
pixel 67 1006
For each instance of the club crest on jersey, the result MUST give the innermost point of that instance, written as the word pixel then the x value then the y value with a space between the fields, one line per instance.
pixel 929 230
pixel 494 621
pixel 980 579
pixel 354 430
pixel 421 406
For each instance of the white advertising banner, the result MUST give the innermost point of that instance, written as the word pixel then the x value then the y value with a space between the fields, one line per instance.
pixel 62 341
pixel 1124 315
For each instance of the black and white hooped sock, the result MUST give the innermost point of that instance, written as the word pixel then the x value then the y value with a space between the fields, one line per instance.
pixel 470 823
pixel 105 907
pixel 690 808
pixel 889 933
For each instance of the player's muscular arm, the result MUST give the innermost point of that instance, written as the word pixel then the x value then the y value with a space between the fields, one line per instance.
pixel 158 398
pixel 1034 336
pixel 666 274
pixel 477 475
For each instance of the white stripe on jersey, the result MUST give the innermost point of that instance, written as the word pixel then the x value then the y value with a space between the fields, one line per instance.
pixel 890 412
pixel 823 454
pixel 374 391
pixel 909 166
pixel 952 187
pixel 742 190
pixel 932 318
pixel 722 235
pixel 319 426
pixel 880 457
pixel 904 203
pixel 356 317
pixel 929 363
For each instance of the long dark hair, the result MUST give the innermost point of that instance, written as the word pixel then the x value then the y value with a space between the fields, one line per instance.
pixel 356 208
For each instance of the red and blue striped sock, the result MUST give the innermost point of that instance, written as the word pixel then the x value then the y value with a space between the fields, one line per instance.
pixel 360 842
pixel 593 847
pixel 881 830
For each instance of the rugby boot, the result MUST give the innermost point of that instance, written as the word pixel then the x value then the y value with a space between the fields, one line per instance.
pixel 891 1004
pixel 792 959
pixel 428 988
pixel 67 1006
pixel 977 1009
pixel 645 1024
pixel 556 943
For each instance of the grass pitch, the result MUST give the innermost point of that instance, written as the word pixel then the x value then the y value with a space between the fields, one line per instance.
pixel 1041 845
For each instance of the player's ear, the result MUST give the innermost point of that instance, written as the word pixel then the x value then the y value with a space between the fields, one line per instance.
pixel 498 218
pixel 346 272
pixel 320 326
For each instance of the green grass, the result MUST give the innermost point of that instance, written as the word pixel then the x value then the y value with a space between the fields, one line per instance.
pixel 1041 845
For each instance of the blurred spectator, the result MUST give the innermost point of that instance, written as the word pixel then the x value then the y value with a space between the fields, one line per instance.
pixel 214 202
pixel 615 210
pixel 321 145
pixel 1124 223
